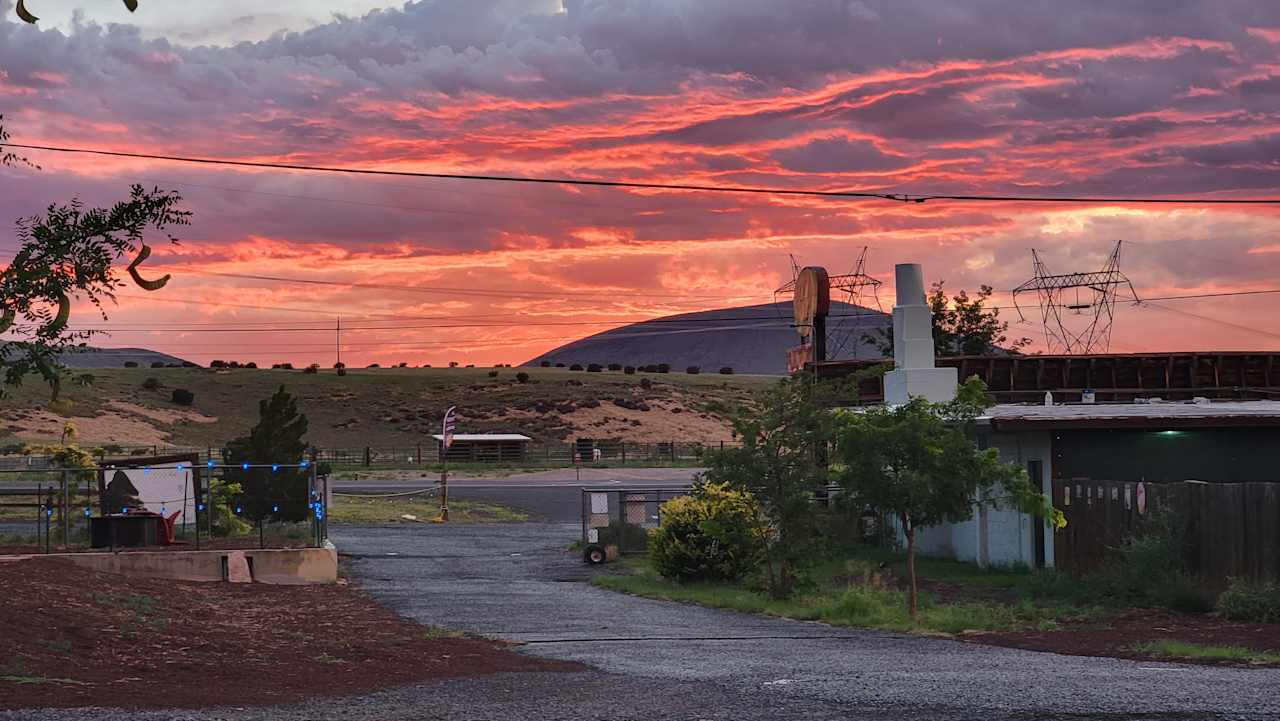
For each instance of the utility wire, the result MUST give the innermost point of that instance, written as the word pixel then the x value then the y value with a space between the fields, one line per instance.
pixel 845 194
pixel 522 323
pixel 437 290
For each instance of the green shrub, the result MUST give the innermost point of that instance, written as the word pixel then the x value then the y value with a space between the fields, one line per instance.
pixel 709 535
pixel 867 606
pixel 1254 601
pixel 522 377
pixel 151 384
pixel 1147 569
pixel 183 397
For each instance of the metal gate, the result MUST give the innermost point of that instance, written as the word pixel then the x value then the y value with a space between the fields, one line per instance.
pixel 622 517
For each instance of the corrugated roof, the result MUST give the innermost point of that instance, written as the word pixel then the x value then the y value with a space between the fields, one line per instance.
pixel 485 437
pixel 1128 414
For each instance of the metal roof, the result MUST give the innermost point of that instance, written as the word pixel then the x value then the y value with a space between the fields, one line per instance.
pixel 1134 415
pixel 485 437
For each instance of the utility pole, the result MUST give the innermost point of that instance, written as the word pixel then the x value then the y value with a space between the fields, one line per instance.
pixel 337 341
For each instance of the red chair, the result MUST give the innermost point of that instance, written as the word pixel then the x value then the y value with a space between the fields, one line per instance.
pixel 168 528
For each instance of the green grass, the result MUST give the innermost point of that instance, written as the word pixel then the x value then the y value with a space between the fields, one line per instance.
pixel 864 606
pixel 10 511
pixel 347 509
pixel 25 680
pixel 16 673
pixel 1199 652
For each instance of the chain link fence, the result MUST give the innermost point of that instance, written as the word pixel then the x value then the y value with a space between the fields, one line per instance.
pixel 584 451
pixel 185 504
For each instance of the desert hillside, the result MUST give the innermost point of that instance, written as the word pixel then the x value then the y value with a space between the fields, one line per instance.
pixel 383 407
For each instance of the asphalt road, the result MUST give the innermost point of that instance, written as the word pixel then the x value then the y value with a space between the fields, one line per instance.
pixel 554 495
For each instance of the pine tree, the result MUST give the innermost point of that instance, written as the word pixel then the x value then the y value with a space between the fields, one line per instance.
pixel 279 493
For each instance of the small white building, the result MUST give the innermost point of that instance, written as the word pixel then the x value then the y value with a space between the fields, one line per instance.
pixel 1145 440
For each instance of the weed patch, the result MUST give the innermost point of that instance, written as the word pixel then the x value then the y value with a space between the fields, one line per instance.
pixel 1200 652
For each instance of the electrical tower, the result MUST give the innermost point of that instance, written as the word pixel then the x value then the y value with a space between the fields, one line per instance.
pixel 1089 296
pixel 857 289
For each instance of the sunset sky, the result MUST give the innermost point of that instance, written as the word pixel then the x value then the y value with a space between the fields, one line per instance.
pixel 1173 98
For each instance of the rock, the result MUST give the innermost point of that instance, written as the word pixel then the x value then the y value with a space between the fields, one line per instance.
pixel 238 568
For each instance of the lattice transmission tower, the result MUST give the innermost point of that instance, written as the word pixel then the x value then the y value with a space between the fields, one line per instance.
pixel 1077 309
pixel 858 290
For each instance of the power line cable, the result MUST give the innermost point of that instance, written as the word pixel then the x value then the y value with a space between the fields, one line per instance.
pixel 437 290
pixel 636 185
pixel 390 317
pixel 1217 321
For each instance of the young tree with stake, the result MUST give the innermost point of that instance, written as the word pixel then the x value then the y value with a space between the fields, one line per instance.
pixel 918 462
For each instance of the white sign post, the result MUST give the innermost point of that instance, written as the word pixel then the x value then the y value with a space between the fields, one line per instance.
pixel 448 426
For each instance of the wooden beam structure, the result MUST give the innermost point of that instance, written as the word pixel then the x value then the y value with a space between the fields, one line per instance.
pixel 1114 377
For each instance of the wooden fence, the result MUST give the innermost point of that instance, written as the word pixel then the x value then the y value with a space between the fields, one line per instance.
pixel 1229 529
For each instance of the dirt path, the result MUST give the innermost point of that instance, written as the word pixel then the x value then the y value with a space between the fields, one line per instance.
pixel 75 638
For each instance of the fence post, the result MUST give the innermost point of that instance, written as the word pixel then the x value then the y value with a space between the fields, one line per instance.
pixel 65 512
pixel 367 457
pixel 419 454
pixel 624 453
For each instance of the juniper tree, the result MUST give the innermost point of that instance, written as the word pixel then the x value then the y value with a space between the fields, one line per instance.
pixel 278 493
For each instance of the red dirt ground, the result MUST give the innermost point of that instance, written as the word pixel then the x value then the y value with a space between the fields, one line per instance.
pixel 1117 634
pixel 70 637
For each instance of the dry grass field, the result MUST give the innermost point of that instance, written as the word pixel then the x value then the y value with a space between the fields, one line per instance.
pixel 384 406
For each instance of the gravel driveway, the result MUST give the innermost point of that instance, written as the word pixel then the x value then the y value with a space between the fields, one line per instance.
pixel 658 660
pixel 516 582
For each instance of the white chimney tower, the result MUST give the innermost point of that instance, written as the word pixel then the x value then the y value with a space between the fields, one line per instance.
pixel 914 372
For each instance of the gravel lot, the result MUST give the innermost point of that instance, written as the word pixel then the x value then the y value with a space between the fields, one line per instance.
pixel 660 660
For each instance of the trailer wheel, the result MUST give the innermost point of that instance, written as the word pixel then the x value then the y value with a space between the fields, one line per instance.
pixel 594 555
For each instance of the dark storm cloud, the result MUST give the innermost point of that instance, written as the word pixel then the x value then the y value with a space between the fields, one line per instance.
pixel 1089 97
pixel 836 155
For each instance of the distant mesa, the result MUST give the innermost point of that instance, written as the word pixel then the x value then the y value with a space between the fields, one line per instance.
pixel 751 339
pixel 115 358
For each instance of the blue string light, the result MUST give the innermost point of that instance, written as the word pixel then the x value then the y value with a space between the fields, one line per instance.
pixel 87 512
pixel 146 470
pixel 244 466
pixel 125 510
pixel 302 465
pixel 237 510
pixel 275 509
pixel 275 467
pixel 199 506
pixel 178 467
pixel 210 464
